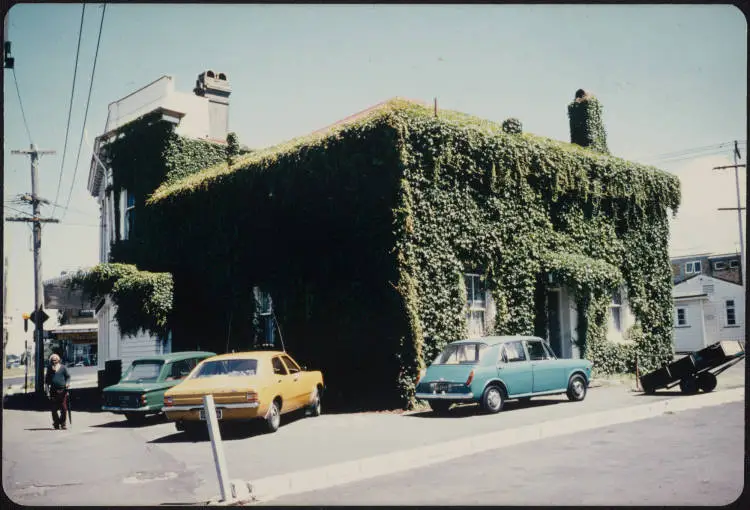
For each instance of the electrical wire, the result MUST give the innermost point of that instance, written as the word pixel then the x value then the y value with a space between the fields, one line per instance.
pixel 17 210
pixel 86 113
pixel 20 101
pixel 70 108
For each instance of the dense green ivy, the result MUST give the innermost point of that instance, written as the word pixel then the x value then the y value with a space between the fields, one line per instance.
pixel 362 235
pixel 143 299
pixel 586 123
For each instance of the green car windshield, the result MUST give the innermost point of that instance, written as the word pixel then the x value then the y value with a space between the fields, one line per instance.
pixel 143 371
pixel 461 354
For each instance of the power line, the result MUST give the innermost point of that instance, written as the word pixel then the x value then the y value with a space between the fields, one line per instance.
pixel 70 108
pixel 20 101
pixel 16 210
pixel 86 113
pixel 687 152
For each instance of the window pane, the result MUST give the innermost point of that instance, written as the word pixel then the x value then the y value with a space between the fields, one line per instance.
pixel 144 372
pixel 536 351
pixel 730 303
pixel 231 367
pixel 278 366
pixel 293 367
pixel 697 267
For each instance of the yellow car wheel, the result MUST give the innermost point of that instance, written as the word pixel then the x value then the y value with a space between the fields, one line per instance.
pixel 316 408
pixel 273 418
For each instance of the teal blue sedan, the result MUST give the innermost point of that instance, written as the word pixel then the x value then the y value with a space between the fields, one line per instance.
pixel 491 370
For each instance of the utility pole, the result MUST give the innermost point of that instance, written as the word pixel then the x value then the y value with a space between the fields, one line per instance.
pixel 38 316
pixel 739 207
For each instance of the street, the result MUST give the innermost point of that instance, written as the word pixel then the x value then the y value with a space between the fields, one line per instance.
pixel 689 458
pixel 169 467
pixel 77 374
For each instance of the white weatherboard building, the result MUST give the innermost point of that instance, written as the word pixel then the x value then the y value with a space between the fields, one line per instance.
pixel 707 310
pixel 201 115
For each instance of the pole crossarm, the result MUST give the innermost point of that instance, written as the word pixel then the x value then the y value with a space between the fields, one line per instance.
pixel 39 220
pixel 729 166
pixel 32 151
pixel 731 209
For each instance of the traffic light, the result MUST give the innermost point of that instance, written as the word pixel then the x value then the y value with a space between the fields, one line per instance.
pixel 25 322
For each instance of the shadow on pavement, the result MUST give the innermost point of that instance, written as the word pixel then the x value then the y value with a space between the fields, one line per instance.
pixel 41 428
pixel 230 431
pixel 123 423
pixel 469 410
pixel 82 400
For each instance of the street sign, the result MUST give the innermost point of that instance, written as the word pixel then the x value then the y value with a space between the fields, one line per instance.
pixel 40 315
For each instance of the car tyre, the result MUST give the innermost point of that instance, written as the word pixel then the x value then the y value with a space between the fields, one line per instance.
pixel 439 406
pixel 493 399
pixel 316 408
pixel 707 382
pixel 273 417
pixel 576 388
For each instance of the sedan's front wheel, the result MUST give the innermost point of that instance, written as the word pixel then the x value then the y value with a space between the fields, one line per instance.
pixel 576 388
pixel 493 399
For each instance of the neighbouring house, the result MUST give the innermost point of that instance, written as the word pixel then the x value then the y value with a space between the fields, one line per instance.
pixel 725 266
pixel 707 310
pixel 167 126
pixel 400 229
pixel 75 338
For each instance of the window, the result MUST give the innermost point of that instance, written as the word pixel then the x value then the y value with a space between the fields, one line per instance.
pixel 550 354
pixel 693 267
pixel 181 369
pixel 682 318
pixel 536 350
pixel 615 309
pixel 146 371
pixel 734 264
pixel 719 266
pixel 278 366
pixel 293 367
pixel 231 367
pixel 460 354
pixel 129 214
pixel 475 303
pixel 731 313
pixel 514 352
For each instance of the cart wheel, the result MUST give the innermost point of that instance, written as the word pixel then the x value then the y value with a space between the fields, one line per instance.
pixel 707 381
pixel 689 385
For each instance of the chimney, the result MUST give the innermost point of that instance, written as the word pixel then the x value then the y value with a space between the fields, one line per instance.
pixel 215 87
pixel 586 123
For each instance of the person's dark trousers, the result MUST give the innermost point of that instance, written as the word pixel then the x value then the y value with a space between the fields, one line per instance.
pixel 59 403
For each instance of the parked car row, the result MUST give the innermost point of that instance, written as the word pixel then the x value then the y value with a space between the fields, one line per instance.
pixel 264 385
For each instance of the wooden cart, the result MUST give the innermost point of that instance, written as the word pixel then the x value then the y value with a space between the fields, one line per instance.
pixel 696 371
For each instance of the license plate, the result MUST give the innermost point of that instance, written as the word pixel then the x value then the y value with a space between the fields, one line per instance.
pixel 441 387
pixel 202 414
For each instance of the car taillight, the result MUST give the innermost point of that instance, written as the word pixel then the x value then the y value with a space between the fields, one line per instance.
pixel 471 378
pixel 167 401
pixel 143 398
pixel 251 396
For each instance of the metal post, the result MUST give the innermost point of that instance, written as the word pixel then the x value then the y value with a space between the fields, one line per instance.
pixel 26 365
pixel 218 450
pixel 739 214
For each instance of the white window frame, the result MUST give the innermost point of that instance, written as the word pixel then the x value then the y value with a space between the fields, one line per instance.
pixel 686 320
pixel 732 307
pixel 734 264
pixel 475 306
pixel 690 267
pixel 616 306
pixel 129 209
pixel 720 265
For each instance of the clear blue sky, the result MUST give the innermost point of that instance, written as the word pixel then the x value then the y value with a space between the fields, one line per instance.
pixel 670 78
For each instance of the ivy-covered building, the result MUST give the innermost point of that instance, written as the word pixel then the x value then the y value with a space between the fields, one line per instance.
pixel 382 238
pixel 151 136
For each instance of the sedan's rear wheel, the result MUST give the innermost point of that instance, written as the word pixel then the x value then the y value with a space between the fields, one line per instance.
pixel 707 381
pixel 273 418
pixel 493 399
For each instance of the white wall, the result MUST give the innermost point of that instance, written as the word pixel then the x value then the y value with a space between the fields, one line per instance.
pixel 133 347
pixel 691 337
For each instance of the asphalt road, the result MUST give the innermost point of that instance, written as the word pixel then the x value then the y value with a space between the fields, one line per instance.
pixel 76 374
pixel 688 458
pixel 109 462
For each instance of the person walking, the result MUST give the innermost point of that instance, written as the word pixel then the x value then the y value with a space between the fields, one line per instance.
pixel 58 382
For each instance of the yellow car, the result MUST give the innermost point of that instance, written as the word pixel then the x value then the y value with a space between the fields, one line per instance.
pixel 245 385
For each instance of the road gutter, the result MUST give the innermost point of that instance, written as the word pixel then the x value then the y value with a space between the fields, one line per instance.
pixel 266 489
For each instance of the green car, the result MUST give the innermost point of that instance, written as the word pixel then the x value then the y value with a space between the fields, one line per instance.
pixel 141 389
